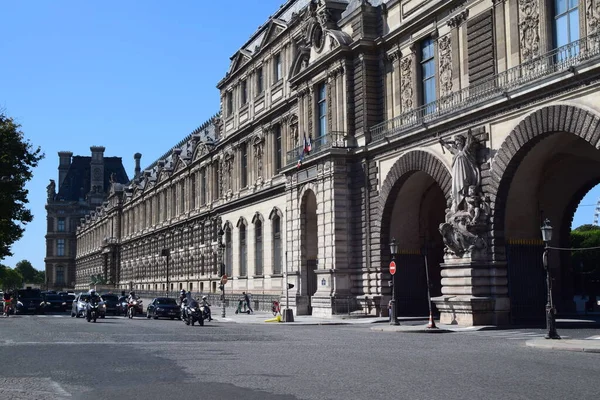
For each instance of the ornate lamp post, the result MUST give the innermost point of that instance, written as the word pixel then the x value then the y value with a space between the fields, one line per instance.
pixel 393 252
pixel 166 253
pixel 550 311
pixel 222 269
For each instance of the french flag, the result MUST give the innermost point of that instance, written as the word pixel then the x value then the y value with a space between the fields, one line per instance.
pixel 307 145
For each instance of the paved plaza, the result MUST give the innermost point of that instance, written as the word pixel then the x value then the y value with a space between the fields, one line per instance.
pixel 58 357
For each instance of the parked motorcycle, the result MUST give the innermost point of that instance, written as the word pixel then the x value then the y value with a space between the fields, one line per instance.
pixel 194 313
pixel 92 311
pixel 133 306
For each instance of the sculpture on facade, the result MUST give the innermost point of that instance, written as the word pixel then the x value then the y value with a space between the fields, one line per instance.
pixel 51 189
pixel 466 216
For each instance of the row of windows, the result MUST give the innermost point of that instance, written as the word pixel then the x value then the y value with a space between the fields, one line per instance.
pixel 259 84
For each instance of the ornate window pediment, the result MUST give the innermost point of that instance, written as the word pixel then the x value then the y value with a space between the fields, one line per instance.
pixel 276 26
pixel 239 59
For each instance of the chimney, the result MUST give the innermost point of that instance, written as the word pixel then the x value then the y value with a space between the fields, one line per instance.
pixel 97 169
pixel 63 166
pixel 137 157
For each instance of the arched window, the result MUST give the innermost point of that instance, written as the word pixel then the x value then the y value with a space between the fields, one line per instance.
pixel 228 251
pixel 258 247
pixel 243 250
pixel 277 247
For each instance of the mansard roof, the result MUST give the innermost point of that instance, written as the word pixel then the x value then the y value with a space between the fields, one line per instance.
pixel 77 183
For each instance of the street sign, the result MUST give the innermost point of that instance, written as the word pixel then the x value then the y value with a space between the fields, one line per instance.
pixel 392 267
pixel 224 279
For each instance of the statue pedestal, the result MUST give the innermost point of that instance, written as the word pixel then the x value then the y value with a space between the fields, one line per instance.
pixel 474 292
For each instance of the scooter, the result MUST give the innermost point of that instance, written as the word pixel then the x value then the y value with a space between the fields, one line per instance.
pixel 91 312
pixel 132 307
pixel 194 314
pixel 242 303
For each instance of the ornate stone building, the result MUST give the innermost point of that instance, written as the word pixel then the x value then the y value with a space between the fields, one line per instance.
pixel 83 184
pixel 453 126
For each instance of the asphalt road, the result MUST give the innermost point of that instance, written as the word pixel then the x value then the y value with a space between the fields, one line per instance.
pixel 57 357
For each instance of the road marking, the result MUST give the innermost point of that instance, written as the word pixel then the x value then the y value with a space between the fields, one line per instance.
pixel 594 337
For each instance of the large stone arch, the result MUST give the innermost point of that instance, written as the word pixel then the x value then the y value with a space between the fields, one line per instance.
pixel 530 131
pixel 406 165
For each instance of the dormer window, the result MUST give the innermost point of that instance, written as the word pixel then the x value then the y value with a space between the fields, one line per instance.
pixel 277 68
pixel 244 92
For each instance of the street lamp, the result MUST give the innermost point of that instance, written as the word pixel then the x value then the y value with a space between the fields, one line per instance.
pixel 166 253
pixel 546 229
pixel 393 252
pixel 222 269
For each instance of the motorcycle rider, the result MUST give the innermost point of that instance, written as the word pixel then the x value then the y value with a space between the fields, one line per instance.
pixel 93 298
pixel 206 305
pixel 132 297
pixel 7 303
pixel 183 302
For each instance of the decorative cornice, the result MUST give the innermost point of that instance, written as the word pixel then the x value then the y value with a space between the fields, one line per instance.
pixel 459 19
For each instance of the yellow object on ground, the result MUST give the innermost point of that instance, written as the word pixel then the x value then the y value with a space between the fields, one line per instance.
pixel 276 319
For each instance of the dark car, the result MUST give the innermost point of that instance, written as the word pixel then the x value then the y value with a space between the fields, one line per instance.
pixel 54 302
pixel 163 307
pixel 30 301
pixel 68 297
pixel 111 301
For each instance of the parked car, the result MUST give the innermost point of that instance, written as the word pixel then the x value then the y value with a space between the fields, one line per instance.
pixel 54 302
pixel 111 301
pixel 68 297
pixel 79 306
pixel 30 301
pixel 163 307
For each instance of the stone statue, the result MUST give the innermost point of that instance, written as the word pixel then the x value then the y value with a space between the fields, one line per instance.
pixel 468 209
pixel 465 172
pixel 51 188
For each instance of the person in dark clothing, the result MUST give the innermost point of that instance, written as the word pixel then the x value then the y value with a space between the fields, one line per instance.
pixel 247 300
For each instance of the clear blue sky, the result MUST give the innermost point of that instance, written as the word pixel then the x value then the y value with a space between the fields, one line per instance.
pixel 133 76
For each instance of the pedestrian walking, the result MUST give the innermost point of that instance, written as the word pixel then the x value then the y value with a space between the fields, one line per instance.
pixel 247 300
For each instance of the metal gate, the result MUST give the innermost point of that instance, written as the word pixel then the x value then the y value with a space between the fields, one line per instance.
pixel 311 282
pixel 411 285
pixel 526 281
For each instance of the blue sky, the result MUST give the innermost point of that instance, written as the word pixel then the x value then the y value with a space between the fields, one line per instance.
pixel 133 76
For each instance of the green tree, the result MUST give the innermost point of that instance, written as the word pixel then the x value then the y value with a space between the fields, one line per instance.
pixel 29 274
pixel 10 279
pixel 586 228
pixel 17 160
pixel 586 263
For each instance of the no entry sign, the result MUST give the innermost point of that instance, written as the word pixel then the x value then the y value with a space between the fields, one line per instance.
pixel 392 267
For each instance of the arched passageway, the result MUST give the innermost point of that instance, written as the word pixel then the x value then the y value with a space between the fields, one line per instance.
pixel 545 178
pixel 415 205
pixel 309 247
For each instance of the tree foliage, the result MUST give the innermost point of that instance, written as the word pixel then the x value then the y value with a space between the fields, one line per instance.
pixel 30 274
pixel 10 279
pixel 17 160
pixel 586 228
pixel 586 263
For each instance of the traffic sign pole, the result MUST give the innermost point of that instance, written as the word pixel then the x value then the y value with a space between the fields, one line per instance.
pixel 394 317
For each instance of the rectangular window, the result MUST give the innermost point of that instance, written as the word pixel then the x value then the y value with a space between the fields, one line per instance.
pixel 193 191
pixel 277 68
pixel 203 187
pixel 60 275
pixel 60 247
pixel 428 74
pixel 258 248
pixel 61 224
pixel 244 92
pixel 229 97
pixel 322 110
pixel 259 81
pixel 182 200
pixel 215 188
pixel 244 164
pixel 566 27
pixel 278 148
pixel 228 253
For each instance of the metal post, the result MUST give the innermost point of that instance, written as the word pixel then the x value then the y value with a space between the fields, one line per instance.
pixel 431 324
pixel 550 311
pixel 168 288
pixel 287 287
pixel 394 319
pixel 221 251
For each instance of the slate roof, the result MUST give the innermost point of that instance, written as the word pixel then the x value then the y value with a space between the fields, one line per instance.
pixel 77 181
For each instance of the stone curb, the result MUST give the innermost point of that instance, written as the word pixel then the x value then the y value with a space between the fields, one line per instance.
pixel 409 329
pixel 581 346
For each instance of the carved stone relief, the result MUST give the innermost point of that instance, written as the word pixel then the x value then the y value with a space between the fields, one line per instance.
pixel 406 84
pixel 294 131
pixel 445 48
pixel 593 18
pixel 469 210
pixel 529 28
pixel 258 145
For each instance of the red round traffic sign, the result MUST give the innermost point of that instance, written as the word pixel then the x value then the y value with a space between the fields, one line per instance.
pixel 224 279
pixel 392 267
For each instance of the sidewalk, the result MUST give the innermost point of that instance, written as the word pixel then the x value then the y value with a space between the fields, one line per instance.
pixel 580 345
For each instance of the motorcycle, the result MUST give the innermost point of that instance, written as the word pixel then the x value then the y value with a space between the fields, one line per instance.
pixel 132 307
pixel 92 311
pixel 194 314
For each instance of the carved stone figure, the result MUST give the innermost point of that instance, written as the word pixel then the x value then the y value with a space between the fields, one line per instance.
pixel 294 131
pixel 593 18
pixel 406 89
pixel 529 28
pixel 465 172
pixel 258 153
pixel 445 48
pixel 468 209
pixel 51 189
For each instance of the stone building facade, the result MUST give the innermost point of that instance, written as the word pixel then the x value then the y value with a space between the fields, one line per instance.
pixel 83 184
pixel 454 127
